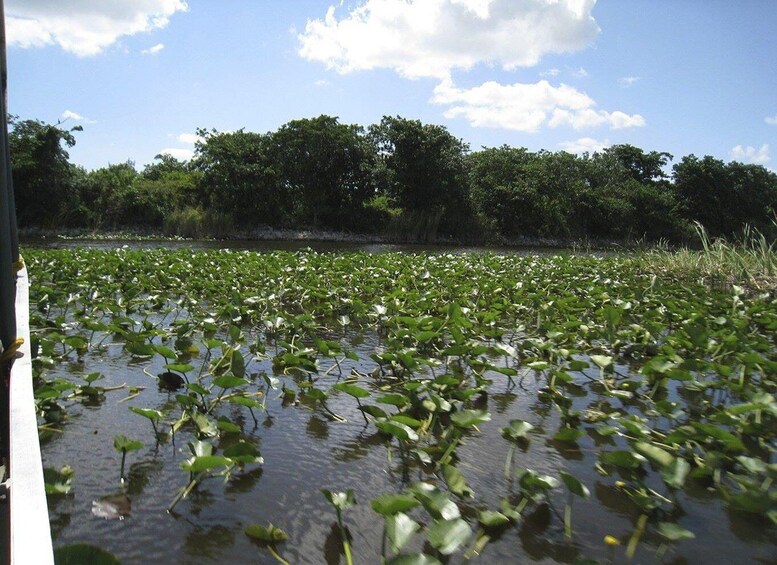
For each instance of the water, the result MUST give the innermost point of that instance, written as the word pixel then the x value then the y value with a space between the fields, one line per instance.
pixel 289 245
pixel 305 450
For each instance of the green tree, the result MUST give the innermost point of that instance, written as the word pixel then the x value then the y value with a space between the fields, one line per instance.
pixel 163 164
pixel 43 177
pixel 238 177
pixel 725 197
pixel 325 169
pixel 627 196
pixel 423 163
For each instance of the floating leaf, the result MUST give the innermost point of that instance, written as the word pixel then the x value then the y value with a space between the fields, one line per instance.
pixel 353 390
pixel 446 536
pixel 456 482
pixel 517 429
pixel 389 504
pixel 397 429
pixel 673 532
pixel 574 485
pixel 81 553
pixel 122 443
pixel 492 519
pixel 400 528
pixel 469 418
pixel 268 534
pixel 205 463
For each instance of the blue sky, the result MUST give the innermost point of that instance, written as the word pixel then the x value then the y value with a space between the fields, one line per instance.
pixel 141 76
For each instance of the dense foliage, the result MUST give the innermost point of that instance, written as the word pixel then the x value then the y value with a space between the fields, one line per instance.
pixel 627 392
pixel 398 177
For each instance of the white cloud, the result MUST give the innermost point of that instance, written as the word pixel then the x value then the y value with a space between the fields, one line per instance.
pixel 626 82
pixel 70 115
pixel 84 27
pixel 431 38
pixel 584 145
pixel 580 72
pixel 550 73
pixel 322 83
pixel 189 138
pixel 527 107
pixel 750 154
pixel 153 50
pixel 181 154
pixel 771 120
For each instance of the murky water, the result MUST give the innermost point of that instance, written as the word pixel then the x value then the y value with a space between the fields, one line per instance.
pixel 287 245
pixel 305 451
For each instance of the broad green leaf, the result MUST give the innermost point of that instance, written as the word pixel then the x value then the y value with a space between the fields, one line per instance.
pixel 673 532
pixel 657 455
pixel 397 429
pixel 456 482
pixel 446 536
pixel 389 504
pixel 400 528
pixel 229 381
pixel 123 443
pixel 205 463
pixel 674 474
pixel 517 429
pixel 353 390
pixel 569 435
pixel 340 500
pixel 154 415
pixel 574 485
pixel 492 519
pixel 621 458
pixel 469 418
pixel 435 501
pixel 268 534
pixel 601 361
pixel 82 553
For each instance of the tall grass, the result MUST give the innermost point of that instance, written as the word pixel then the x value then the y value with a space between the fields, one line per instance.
pixel 750 260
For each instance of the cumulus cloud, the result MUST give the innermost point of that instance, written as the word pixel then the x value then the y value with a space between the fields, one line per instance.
pixel 771 120
pixel 750 154
pixel 180 154
pixel 626 82
pixel 431 38
pixel 528 107
pixel 153 50
pixel 188 138
pixel 550 73
pixel 84 27
pixel 584 145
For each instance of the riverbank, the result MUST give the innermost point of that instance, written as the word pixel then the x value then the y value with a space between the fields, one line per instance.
pixel 316 235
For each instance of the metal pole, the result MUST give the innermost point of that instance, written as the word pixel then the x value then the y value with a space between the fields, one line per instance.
pixel 9 253
pixel 8 240
pixel 4 132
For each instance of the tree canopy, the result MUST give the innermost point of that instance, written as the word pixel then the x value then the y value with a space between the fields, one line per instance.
pixel 399 176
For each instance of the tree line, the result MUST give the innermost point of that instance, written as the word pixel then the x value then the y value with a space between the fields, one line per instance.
pixel 399 177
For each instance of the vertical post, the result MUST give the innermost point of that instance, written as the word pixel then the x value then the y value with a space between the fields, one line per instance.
pixel 8 240
pixel 9 253
pixel 6 157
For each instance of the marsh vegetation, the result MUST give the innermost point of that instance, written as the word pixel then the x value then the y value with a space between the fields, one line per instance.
pixel 447 406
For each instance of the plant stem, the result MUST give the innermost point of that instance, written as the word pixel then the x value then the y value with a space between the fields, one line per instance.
pixel 344 539
pixel 638 531
pixel 509 461
pixel 278 557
